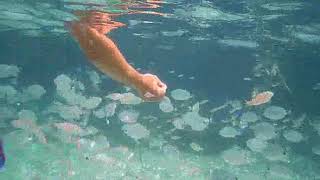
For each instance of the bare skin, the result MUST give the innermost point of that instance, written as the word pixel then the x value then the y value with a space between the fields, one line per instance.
pixel 90 31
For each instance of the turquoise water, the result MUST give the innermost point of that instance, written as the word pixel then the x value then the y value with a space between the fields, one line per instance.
pixel 213 55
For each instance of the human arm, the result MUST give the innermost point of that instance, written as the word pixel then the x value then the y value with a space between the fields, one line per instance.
pixel 105 55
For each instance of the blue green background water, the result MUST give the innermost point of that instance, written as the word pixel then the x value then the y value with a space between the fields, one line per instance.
pixel 218 70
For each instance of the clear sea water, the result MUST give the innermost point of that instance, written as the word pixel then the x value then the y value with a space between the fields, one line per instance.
pixel 215 55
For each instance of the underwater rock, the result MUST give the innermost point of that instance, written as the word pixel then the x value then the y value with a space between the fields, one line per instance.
pixel 292 136
pixel 128 116
pixel 274 113
pixel 228 132
pixel 180 94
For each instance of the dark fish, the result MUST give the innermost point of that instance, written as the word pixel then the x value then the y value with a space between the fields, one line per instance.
pixel 2 156
pixel 237 113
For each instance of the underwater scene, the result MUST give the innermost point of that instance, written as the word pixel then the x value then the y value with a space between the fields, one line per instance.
pixel 159 90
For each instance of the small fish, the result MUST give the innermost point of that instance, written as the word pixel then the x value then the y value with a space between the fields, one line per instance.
pixel 260 98
pixel 2 156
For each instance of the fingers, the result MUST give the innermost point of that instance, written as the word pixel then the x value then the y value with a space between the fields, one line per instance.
pixel 151 97
pixel 162 86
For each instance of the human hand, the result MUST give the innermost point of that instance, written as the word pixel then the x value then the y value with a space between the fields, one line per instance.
pixel 151 88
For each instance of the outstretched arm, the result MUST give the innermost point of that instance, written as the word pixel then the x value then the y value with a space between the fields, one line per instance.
pixel 106 56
